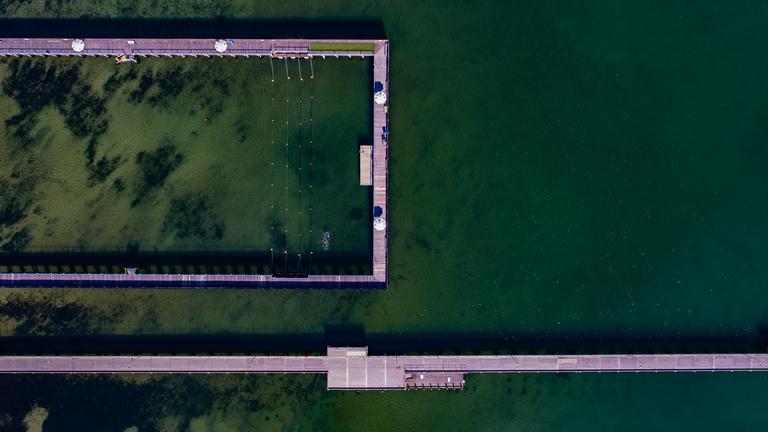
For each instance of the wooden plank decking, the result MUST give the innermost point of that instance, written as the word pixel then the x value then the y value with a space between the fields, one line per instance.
pixel 381 161
pixel 175 47
pixel 277 48
pixel 188 281
pixel 366 165
pixel 454 380
pixel 353 368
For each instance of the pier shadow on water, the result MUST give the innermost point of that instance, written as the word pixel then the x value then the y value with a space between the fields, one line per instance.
pixel 188 262
pixel 377 343
pixel 148 28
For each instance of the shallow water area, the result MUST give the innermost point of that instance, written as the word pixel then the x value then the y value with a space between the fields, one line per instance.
pixel 149 163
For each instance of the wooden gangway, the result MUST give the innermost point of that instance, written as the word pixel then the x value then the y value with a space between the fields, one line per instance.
pixel 352 368
pixel 277 48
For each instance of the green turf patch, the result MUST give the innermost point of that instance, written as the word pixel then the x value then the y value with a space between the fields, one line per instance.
pixel 342 47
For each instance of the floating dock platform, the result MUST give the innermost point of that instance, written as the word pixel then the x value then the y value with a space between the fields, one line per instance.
pixel 366 165
pixel 353 369
pixel 275 48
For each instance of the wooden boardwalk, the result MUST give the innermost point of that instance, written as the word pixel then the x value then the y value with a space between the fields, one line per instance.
pixel 277 48
pixel 353 368
pixel 381 161
pixel 188 281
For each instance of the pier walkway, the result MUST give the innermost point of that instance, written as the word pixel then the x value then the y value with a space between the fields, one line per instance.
pixel 276 48
pixel 186 281
pixel 353 368
pixel 381 162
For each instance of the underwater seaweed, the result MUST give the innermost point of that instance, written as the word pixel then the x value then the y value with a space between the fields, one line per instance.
pixel 40 315
pixel 18 242
pixel 103 168
pixel 192 217
pixel 12 211
pixel 170 84
pixel 155 166
pixel 157 88
pixel 145 83
pixel 34 86
pixel 117 79
pixel 82 112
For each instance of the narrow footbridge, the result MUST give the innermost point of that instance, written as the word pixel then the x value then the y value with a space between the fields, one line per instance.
pixel 354 369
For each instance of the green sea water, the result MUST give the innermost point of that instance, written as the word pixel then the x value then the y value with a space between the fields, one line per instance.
pixel 564 178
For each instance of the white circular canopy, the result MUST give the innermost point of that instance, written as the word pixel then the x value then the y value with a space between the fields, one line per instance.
pixel 379 224
pixel 380 97
pixel 221 45
pixel 78 45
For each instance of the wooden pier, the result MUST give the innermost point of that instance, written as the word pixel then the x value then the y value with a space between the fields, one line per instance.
pixel 185 281
pixel 276 48
pixel 354 369
pixel 381 162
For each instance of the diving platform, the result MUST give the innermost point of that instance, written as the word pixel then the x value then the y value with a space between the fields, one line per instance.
pixel 377 155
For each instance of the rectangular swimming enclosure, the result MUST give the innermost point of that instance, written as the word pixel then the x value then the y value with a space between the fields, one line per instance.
pixel 168 172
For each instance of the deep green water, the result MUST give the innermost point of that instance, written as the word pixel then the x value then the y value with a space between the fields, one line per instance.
pixel 565 178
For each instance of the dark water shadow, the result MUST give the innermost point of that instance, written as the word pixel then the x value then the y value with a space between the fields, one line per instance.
pixel 188 262
pixel 341 335
pixel 126 344
pixel 378 344
pixel 533 342
pixel 366 139
pixel 86 27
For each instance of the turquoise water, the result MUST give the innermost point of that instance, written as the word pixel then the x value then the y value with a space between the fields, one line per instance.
pixel 563 178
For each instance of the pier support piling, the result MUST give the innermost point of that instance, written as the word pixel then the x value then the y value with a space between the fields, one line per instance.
pixel 298 61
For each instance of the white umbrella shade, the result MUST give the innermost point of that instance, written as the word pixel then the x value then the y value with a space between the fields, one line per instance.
pixel 380 97
pixel 220 45
pixel 78 45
